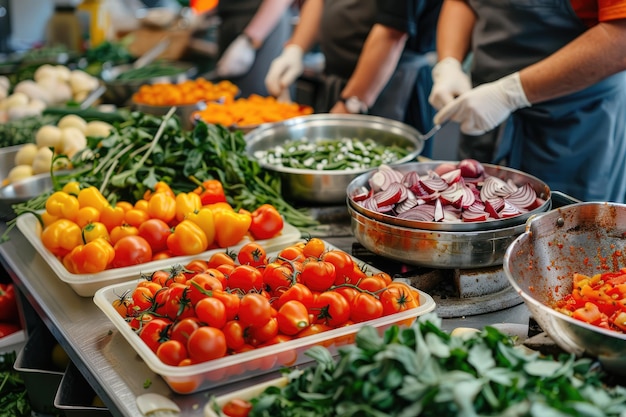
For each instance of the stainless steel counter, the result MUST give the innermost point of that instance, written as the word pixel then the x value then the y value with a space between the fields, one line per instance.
pixel 103 356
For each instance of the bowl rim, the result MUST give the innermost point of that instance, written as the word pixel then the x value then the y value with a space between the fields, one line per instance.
pixel 411 134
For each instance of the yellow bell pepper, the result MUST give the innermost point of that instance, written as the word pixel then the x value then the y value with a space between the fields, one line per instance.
pixel 162 206
pixel 186 203
pixel 230 227
pixel 61 237
pixel 95 230
pixel 93 257
pixel 62 205
pixel 92 197
pixel 187 238
pixel 205 219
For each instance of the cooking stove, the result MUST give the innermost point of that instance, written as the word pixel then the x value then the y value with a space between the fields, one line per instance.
pixel 457 292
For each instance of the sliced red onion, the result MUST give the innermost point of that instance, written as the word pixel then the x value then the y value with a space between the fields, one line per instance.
pixel 508 210
pixel 433 184
pixel 410 178
pixel 452 195
pixel 524 197
pixel 495 187
pixel 421 213
pixel 439 214
pixel 361 194
pixel 452 176
pixel 389 196
pixel 445 167
pixel 470 168
pixel 408 203
pixel 494 206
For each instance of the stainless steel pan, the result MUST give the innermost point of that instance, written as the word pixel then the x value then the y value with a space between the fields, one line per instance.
pixel 588 238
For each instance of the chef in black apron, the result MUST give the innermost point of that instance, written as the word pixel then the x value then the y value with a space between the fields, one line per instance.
pixel 342 27
pixel 248 46
pixel 574 141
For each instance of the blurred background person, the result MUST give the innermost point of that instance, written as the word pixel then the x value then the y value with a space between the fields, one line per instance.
pixel 250 35
pixel 555 73
pixel 378 57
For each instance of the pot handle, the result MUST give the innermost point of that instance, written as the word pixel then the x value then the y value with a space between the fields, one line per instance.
pixel 560 199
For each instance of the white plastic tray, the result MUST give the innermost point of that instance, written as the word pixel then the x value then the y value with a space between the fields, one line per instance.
pixel 249 364
pixel 86 285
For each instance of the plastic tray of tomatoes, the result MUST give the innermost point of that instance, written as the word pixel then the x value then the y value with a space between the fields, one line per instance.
pixel 86 285
pixel 235 348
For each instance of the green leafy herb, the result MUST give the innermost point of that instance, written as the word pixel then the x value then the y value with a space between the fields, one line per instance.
pixel 13 397
pixel 423 371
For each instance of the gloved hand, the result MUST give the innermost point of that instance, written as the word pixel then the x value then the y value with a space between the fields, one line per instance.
pixel 284 70
pixel 237 59
pixel 449 82
pixel 486 106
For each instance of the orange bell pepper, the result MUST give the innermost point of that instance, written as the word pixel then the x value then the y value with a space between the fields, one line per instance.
pixel 95 256
pixel 211 191
pixel 162 206
pixel 230 227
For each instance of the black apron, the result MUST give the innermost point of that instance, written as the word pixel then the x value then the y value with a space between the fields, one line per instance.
pixel 577 143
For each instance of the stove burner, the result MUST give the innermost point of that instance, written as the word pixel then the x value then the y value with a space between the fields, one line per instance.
pixel 457 292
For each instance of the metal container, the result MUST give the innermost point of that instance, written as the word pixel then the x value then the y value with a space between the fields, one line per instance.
pixel 22 190
pixel 436 244
pixel 76 398
pixel 432 248
pixel 328 186
pixel 587 238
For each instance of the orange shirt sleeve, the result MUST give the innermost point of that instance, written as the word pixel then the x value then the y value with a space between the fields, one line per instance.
pixel 611 10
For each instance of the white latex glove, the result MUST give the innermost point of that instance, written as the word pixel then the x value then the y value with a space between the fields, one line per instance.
pixel 237 59
pixel 284 70
pixel 449 82
pixel 486 106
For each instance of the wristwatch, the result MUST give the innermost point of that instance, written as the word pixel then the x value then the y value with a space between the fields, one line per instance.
pixel 354 105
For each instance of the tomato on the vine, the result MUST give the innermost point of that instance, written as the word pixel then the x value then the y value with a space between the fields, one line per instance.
pixel 237 408
pixel 278 275
pixel 245 278
pixel 318 275
pixel 395 298
pixel 234 332
pixel 221 258
pixel 182 329
pixel 154 332
pixel 331 308
pixel 365 307
pixel 252 254
pixel 257 335
pixel 343 262
pixel 297 291
pixel 314 247
pixel 231 302
pixel 202 285
pixel 178 304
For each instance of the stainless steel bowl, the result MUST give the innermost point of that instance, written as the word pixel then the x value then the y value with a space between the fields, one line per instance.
pixel 587 238
pixel 7 160
pixel 22 190
pixel 328 186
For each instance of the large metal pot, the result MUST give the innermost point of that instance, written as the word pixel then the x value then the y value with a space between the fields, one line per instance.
pixel 441 245
pixel 587 238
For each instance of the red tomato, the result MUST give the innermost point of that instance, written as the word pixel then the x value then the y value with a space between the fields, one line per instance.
pixel 277 275
pixel 331 308
pixel 143 298
pixel 172 352
pixel 182 329
pixel 267 222
pixel 206 343
pixel 203 284
pixel 211 311
pixel 131 250
pixel 178 304
pixel 365 307
pixel 299 292
pixel 318 275
pixel 237 408
pixel 252 254
pixel 156 232
pixel 258 335
pixel 154 332
pixel 195 266
pixel 245 278
pixel 395 298
pixel 372 284
pixel 231 302
pixel 254 310
pixel 234 333
pixel 292 317
pixel 8 303
pixel 314 247
pixel 343 262
pixel 221 258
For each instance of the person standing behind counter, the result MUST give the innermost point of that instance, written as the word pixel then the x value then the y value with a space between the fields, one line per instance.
pixel 553 70
pixel 378 56
pixel 251 34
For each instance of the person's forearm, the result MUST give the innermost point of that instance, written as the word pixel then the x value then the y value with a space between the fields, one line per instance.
pixel 265 19
pixel 305 33
pixel 593 56
pixel 379 57
pixel 454 29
